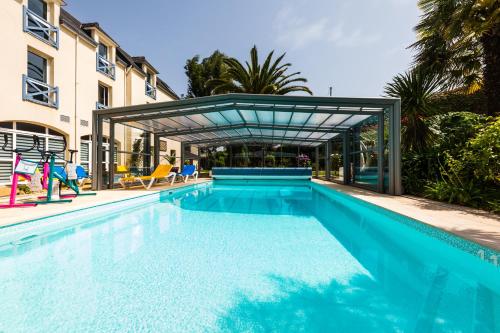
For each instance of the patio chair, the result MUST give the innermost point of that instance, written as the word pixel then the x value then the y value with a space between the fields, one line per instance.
pixel 187 170
pixel 82 175
pixel 162 171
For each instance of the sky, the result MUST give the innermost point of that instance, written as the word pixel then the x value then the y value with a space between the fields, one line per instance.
pixel 356 46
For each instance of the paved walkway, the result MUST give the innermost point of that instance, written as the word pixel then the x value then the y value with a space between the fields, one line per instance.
pixel 15 215
pixel 476 225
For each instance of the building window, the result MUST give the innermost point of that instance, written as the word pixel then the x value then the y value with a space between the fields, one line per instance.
pixel 35 22
pixel 150 88
pixel 39 7
pixel 37 67
pixel 103 64
pixel 37 73
pixel 103 51
pixel 102 97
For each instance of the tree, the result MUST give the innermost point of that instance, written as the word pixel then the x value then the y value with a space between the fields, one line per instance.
pixel 199 73
pixel 415 88
pixel 461 41
pixel 271 77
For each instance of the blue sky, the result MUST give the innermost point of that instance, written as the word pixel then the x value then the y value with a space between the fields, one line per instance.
pixel 356 46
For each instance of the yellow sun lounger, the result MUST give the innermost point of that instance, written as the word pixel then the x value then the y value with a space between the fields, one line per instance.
pixel 163 171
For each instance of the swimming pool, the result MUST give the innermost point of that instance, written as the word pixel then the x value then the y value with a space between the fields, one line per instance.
pixel 235 256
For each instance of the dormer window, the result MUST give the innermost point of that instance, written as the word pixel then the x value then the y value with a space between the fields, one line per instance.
pixel 35 22
pixel 150 88
pixel 103 64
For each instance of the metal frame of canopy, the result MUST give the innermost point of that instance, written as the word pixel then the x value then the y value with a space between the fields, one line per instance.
pixel 262 119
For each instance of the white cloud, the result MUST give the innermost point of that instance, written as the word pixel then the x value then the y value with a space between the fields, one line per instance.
pixel 296 31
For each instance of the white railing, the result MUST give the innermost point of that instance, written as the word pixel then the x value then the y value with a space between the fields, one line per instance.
pixel 40 28
pixel 40 92
pixel 150 90
pixel 104 66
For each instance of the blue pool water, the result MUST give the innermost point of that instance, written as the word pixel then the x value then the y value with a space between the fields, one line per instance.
pixel 231 257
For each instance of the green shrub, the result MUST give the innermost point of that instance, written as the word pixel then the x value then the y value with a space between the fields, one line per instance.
pixel 472 176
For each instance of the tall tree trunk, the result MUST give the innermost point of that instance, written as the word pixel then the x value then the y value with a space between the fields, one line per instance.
pixel 491 49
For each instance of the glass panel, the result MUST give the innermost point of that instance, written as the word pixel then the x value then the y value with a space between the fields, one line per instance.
pixel 299 118
pixel 26 141
pixel 37 67
pixel 265 117
pixel 232 116
pixel 217 118
pixel 355 120
pixel 200 119
pixel 267 132
pixel 186 122
pixel 5 154
pixel 279 133
pixel 291 134
pixel 363 153
pixel 282 118
pixel 337 160
pixel 103 51
pixel 249 116
pixel 30 128
pixel 6 124
pixel 317 118
pixel 103 95
pixel 5 171
pixel 336 119
pixel 39 7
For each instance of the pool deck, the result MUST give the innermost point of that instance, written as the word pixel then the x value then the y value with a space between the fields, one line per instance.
pixel 476 225
pixel 16 215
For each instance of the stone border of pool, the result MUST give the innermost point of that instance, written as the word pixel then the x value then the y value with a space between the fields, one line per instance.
pixel 474 225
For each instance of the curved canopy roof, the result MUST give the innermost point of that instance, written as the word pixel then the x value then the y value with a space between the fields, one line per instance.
pixel 233 118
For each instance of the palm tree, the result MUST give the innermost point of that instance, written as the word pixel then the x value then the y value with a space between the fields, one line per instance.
pixel 415 88
pixel 200 72
pixel 461 41
pixel 253 78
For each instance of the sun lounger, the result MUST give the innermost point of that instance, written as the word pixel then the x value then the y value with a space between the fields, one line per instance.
pixel 187 171
pixel 163 171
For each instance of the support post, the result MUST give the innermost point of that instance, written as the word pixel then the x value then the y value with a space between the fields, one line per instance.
pixel 231 156
pixel 380 152
pixel 146 159
pixel 183 149
pixel 316 164
pixel 98 160
pixel 328 153
pixel 111 157
pixel 395 187
pixel 346 157
pixel 156 143
pixel 94 170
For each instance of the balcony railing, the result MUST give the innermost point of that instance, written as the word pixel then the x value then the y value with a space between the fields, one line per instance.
pixel 40 28
pixel 100 106
pixel 104 66
pixel 40 92
pixel 150 90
